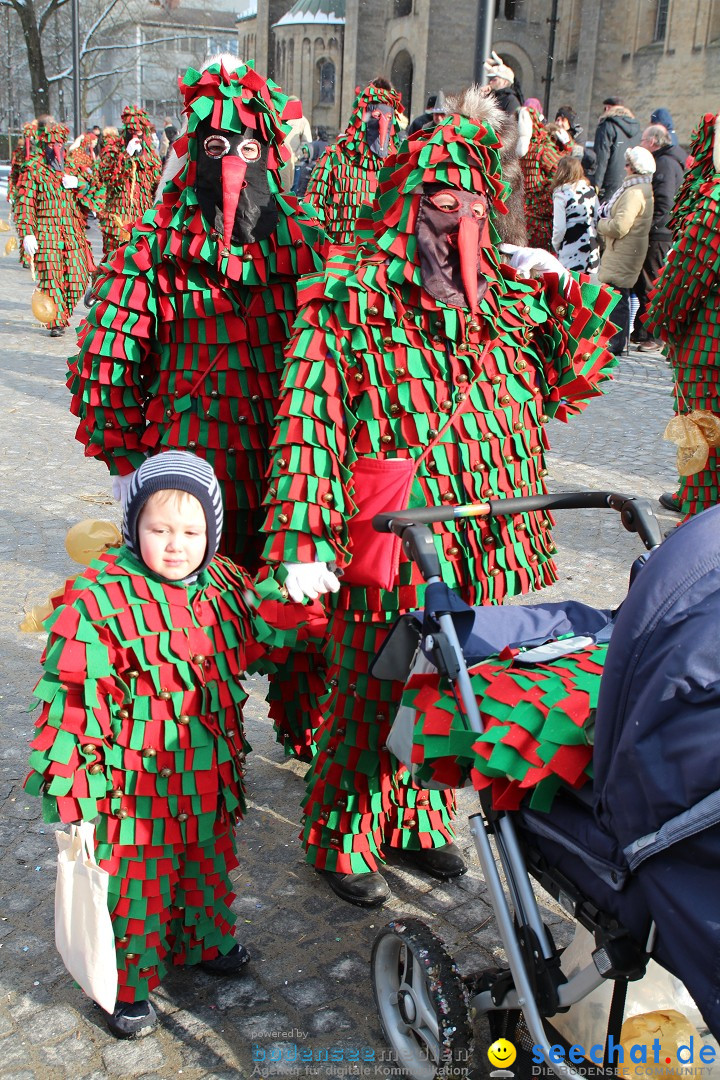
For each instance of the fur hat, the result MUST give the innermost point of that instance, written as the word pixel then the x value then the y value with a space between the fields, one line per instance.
pixel 495 68
pixel 640 160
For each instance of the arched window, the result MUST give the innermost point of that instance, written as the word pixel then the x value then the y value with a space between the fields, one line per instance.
pixel 402 8
pixel 401 76
pixel 326 82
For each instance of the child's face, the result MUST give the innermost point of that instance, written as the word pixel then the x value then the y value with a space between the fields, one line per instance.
pixel 172 533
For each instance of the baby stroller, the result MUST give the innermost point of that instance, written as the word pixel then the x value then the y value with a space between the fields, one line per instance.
pixel 631 856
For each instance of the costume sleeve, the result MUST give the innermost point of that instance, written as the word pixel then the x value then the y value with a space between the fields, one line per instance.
pixel 74 740
pixel 108 377
pixel 559 220
pixel 690 275
pixel 308 501
pixel 316 192
pixel 573 343
pixel 623 215
pixel 25 196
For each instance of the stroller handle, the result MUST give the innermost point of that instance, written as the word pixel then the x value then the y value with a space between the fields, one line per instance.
pixel 637 514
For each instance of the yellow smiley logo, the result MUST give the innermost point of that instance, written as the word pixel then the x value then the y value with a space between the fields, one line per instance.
pixel 502 1053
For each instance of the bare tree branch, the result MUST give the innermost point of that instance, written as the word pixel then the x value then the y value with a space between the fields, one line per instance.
pixel 67 72
pixel 49 10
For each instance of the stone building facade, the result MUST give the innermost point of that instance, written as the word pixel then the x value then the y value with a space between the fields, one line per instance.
pixel 650 53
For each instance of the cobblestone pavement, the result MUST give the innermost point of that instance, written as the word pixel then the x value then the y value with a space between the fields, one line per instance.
pixel 309 974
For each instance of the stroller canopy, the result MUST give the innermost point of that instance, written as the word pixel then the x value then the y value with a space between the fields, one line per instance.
pixel 657 750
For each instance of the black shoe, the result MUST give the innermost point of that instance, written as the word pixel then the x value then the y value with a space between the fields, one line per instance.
pixel 88 297
pixel 57 331
pixel 443 863
pixel 229 964
pixel 648 346
pixel 365 890
pixel 132 1020
pixel 670 502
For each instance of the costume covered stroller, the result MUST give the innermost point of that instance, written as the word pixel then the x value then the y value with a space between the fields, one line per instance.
pixel 632 855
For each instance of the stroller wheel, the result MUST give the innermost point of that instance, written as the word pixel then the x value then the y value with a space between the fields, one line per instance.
pixel 421 1000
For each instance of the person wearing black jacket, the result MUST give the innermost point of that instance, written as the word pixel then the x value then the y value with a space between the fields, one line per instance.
pixel 502 84
pixel 617 129
pixel 666 181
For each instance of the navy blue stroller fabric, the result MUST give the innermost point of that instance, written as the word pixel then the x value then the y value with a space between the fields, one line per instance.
pixel 485 631
pixel 657 750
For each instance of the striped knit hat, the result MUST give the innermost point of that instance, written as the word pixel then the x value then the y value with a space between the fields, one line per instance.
pixel 175 470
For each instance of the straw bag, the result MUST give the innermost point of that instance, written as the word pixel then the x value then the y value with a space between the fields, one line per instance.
pixel 83 929
pixel 379 485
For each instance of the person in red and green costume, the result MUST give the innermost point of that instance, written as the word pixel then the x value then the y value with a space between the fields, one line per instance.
pixel 184 346
pixel 683 311
pixel 345 177
pixel 51 204
pixel 538 168
pixel 387 343
pixel 141 725
pixel 125 180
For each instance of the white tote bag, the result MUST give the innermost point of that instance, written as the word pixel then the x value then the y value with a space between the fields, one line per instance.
pixel 83 929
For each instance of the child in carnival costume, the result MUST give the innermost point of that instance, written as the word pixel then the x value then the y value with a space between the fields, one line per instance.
pixel 184 346
pixel 128 174
pixel 345 177
pixel 51 204
pixel 391 338
pixel 683 313
pixel 142 725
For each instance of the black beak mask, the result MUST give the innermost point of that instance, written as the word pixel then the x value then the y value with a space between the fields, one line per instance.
pixel 232 184
pixel 55 157
pixel 378 127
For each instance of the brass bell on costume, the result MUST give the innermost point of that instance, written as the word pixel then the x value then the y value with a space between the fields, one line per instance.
pixel 693 434
pixel 91 538
pixel 4 227
pixel 11 245
pixel 43 307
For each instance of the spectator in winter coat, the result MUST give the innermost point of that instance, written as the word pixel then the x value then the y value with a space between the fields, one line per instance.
pixel 624 225
pixel 665 183
pixel 424 118
pixel 617 130
pixel 575 214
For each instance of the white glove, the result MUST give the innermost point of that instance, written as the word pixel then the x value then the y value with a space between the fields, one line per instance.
pixel 524 123
pixel 69 181
pixel 120 488
pixel 30 245
pixel 530 262
pixel 562 136
pixel 133 147
pixel 309 580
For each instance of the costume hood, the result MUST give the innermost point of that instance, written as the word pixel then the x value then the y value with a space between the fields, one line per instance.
pixel 135 121
pixel 461 152
pixel 355 136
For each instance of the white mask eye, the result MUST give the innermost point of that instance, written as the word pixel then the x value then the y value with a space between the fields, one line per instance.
pixel 249 150
pixel 216 146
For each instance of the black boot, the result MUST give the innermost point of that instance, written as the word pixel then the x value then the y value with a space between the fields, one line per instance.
pixel 132 1019
pixel 443 863
pixel 365 890
pixel 229 964
pixel 670 502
